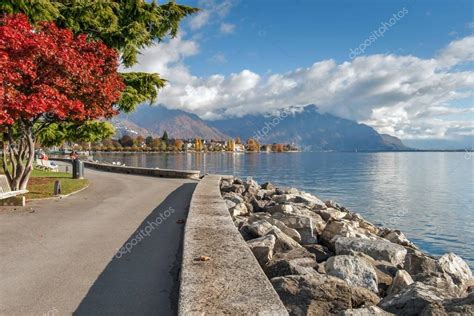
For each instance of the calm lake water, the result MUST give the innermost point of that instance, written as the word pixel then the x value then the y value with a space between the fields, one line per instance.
pixel 429 196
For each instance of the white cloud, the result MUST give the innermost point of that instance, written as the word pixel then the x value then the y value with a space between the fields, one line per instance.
pixel 227 28
pixel 405 96
pixel 212 10
pixel 199 20
pixel 456 52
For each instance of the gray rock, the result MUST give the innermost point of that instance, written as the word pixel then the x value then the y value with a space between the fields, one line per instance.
pixel 262 248
pixel 365 311
pixel 320 294
pixel 233 197
pixel 414 299
pixel 377 249
pixel 309 200
pixel 260 228
pixel 339 228
pixel 239 209
pixel 401 280
pixel 293 233
pixel 442 281
pixel 313 294
pixel 457 268
pixel 296 261
pixel 397 237
pixel 280 208
pixel 258 205
pixel 330 213
pixel 321 253
pixel 283 241
pixel 417 262
pixel 354 270
pixel 308 226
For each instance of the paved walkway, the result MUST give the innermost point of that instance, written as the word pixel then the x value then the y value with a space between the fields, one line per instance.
pixel 61 258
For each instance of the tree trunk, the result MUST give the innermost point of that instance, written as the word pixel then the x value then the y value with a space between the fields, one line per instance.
pixel 18 156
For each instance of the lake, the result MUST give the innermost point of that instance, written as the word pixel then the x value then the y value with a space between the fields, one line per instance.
pixel 427 195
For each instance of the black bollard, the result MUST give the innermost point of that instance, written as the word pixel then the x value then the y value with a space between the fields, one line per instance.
pixel 57 187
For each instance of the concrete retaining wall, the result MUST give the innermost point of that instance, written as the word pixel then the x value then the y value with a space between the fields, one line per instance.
pixel 231 281
pixel 161 173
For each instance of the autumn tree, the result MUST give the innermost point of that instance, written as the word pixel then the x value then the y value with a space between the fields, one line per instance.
pixel 178 144
pixel 49 76
pixel 127 26
pixel 139 140
pixel 253 145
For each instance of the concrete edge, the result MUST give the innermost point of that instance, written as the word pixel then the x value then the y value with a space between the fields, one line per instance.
pixel 219 273
pixel 160 173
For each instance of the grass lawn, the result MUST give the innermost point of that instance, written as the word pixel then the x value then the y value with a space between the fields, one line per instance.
pixel 41 184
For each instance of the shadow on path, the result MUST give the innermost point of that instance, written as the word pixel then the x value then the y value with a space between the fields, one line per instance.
pixel 144 281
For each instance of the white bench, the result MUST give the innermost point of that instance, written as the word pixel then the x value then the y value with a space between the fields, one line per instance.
pixel 5 190
pixel 47 165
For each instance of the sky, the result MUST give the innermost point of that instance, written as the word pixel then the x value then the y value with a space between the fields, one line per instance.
pixel 402 67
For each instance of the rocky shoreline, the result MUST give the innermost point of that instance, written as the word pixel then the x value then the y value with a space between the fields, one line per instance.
pixel 324 259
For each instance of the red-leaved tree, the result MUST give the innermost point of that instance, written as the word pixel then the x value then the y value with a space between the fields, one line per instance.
pixel 48 75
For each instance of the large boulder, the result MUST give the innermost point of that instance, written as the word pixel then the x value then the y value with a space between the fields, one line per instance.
pixel 401 280
pixel 259 228
pixel 283 241
pixel 262 248
pixel 309 227
pixel 443 281
pixel 340 228
pixel 293 233
pixel 330 214
pixel 397 237
pixel 377 249
pixel 296 261
pixel 239 209
pixel 414 299
pixel 457 268
pixel 313 294
pixel 280 208
pixel 319 294
pixel 354 270
pixel 418 262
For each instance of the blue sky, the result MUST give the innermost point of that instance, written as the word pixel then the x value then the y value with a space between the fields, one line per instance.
pixel 240 57
pixel 278 36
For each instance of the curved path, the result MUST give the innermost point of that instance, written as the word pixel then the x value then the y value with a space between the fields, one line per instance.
pixel 61 258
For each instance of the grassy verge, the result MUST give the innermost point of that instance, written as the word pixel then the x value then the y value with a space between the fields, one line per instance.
pixel 41 184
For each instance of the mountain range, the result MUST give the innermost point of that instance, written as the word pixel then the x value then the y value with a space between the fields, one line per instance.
pixel 307 128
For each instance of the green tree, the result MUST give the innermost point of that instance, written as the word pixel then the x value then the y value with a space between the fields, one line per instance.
pixel 56 134
pixel 165 137
pixel 149 141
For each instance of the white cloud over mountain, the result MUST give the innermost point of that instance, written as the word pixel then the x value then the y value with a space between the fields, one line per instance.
pixel 406 96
